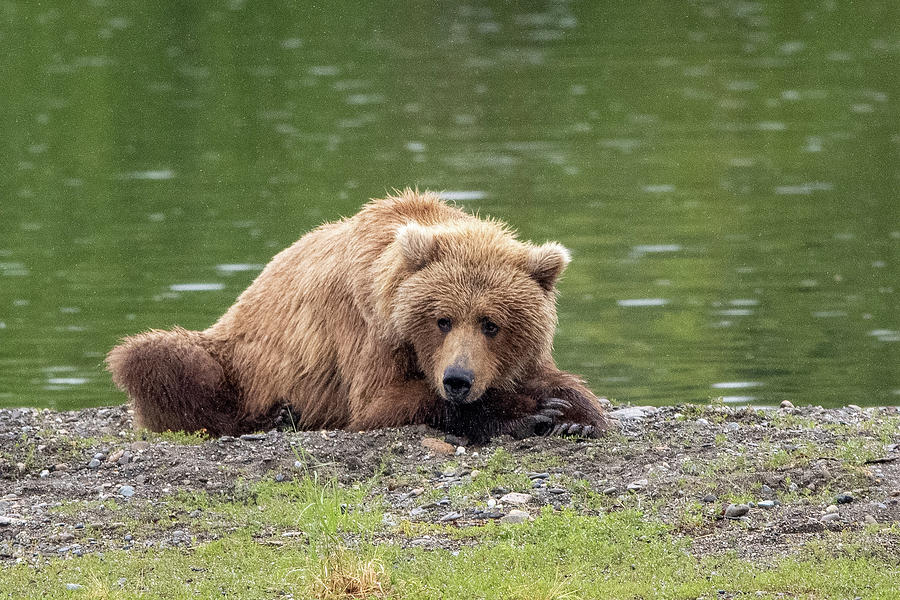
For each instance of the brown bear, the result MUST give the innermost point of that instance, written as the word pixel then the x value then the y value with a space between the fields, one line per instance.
pixel 412 311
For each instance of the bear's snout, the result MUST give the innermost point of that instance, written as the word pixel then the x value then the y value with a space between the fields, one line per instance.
pixel 458 383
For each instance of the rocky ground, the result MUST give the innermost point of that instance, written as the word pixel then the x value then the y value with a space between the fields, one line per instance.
pixel 760 482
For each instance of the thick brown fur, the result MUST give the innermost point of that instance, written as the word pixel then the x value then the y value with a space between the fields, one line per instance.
pixel 342 329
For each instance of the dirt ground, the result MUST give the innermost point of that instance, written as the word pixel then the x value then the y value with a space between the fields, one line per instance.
pixel 799 474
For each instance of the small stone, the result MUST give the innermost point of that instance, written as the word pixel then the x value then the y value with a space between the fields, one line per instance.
pixel 557 490
pixel 279 477
pixel 611 491
pixel 793 487
pixel 702 422
pixel 516 498
pixel 45 473
pixel 99 456
pixel 437 446
pixel 61 467
pixel 638 485
pixel 139 446
pixel 767 492
pixel 450 516
pixel 870 520
pixel 855 407
pixel 534 476
pixel 475 473
pixel 74 587
pixel 831 509
pixel 787 404
pixel 845 498
pixel 460 450
pixel 417 511
pixel 94 464
pixel 515 516
pixel 829 517
pixel 735 511
pixel 491 503
pixel 633 413
pixel 126 491
pixel 253 437
pixel 766 504
pixel 115 456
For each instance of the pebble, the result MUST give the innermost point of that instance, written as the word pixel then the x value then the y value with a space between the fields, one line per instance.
pixel 766 504
pixel 638 485
pixel 611 491
pixel 787 404
pixel 115 456
pixel 845 498
pixel 735 511
pixel 731 426
pixel 515 516
pixel 703 422
pixel 74 587
pixel 829 517
pixel 126 491
pixel 450 516
pixel 253 437
pixel 45 473
pixel 140 446
pixel 831 509
pixel 437 446
pixel 460 450
pixel 99 456
pixel 417 511
pixel 475 473
pixel 516 498
pixel 870 520
pixel 94 464
pixel 767 492
pixel 60 467
pixel 491 503
pixel 534 476
pixel 557 490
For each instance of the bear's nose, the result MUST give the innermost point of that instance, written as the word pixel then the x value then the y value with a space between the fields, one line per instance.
pixel 457 383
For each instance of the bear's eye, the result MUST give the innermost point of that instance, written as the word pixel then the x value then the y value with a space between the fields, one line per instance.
pixel 445 324
pixel 489 328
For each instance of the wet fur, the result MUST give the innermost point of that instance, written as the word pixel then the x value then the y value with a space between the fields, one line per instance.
pixel 339 327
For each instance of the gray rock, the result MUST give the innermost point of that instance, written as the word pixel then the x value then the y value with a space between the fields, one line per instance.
pixel 731 426
pixel 450 516
pixel 767 492
pixel 735 511
pixel 702 422
pixel 74 587
pixel 709 498
pixel 94 464
pixel 534 476
pixel 766 504
pixel 638 485
pixel 611 491
pixel 829 517
pixel 515 516
pixel 845 498
pixel 45 473
pixel 253 437
pixel 516 498
pixel 632 413
pixel 417 511
pixel 787 404
pixel 831 508
pixel 870 520
pixel 557 490
pixel 126 491
pixel 99 456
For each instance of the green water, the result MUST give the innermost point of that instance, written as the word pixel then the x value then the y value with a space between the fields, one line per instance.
pixel 725 173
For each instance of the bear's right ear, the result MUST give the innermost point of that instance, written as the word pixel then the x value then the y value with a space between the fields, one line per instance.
pixel 417 243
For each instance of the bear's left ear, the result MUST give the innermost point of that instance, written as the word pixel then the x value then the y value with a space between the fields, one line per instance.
pixel 417 243
pixel 547 262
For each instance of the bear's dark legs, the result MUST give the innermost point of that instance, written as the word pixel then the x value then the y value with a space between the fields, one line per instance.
pixel 175 384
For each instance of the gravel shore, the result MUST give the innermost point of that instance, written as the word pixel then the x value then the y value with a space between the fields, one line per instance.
pixel 759 482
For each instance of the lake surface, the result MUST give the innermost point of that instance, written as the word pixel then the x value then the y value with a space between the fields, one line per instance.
pixel 726 175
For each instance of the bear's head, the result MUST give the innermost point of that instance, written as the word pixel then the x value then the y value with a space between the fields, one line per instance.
pixel 476 305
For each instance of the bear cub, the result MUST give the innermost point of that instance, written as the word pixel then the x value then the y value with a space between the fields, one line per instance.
pixel 411 311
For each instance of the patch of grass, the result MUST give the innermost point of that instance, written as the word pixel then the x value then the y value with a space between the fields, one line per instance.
pixel 559 555
pixel 194 438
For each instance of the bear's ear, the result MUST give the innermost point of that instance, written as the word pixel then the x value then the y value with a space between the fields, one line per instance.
pixel 417 243
pixel 546 263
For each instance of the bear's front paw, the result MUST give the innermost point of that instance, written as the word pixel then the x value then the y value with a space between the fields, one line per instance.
pixel 540 423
